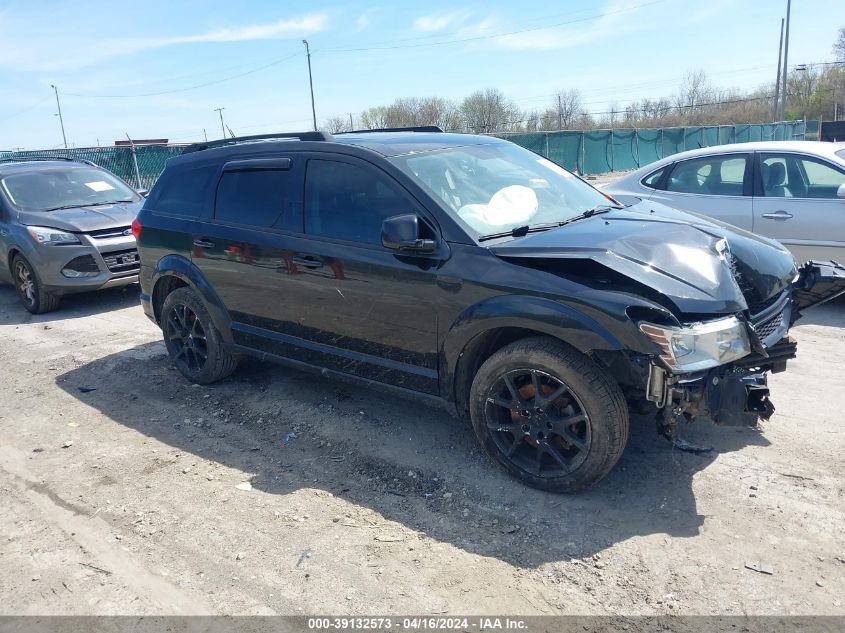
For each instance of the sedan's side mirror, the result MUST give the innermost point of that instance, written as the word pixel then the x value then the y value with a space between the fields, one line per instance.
pixel 840 193
pixel 143 192
pixel 402 233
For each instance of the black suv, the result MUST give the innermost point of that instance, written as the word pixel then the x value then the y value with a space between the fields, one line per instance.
pixel 474 272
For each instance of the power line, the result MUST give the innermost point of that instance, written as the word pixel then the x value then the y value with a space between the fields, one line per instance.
pixel 186 88
pixel 25 110
pixel 494 35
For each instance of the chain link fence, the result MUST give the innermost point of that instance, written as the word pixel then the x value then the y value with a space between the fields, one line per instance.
pixel 602 151
pixel 118 159
pixel 588 152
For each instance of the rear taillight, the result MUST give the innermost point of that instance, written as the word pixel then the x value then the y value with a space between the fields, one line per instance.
pixel 136 229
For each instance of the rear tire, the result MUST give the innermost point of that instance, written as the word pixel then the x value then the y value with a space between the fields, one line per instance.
pixel 194 344
pixel 28 286
pixel 548 415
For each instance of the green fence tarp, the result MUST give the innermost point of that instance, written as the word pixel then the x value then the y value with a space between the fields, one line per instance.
pixel 588 152
pixel 602 151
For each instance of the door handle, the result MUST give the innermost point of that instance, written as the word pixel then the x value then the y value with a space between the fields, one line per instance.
pixel 203 243
pixel 307 261
pixel 779 215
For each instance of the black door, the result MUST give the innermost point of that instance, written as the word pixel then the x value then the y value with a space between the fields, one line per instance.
pixel 361 308
pixel 243 249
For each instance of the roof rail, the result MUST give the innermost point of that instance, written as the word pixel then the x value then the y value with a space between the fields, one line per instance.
pixel 300 136
pixel 24 159
pixel 416 128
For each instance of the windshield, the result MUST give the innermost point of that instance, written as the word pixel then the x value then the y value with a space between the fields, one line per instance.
pixel 47 189
pixel 498 187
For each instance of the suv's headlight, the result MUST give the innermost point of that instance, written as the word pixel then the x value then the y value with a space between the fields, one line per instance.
pixel 44 235
pixel 700 346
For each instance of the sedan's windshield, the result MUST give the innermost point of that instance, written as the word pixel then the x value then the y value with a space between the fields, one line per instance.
pixel 50 189
pixel 498 187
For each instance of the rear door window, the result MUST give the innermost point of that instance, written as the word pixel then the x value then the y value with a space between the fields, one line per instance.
pixel 183 192
pixel 710 175
pixel 251 197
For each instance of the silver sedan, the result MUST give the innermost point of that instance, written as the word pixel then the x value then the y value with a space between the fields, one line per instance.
pixel 792 191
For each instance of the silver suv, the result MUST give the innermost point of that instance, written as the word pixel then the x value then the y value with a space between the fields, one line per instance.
pixel 64 227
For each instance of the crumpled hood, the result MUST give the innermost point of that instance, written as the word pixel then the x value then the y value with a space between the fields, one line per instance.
pixel 84 219
pixel 699 264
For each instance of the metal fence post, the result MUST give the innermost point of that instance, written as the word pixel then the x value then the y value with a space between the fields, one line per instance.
pixel 135 161
pixel 546 137
pixel 637 146
pixel 583 153
pixel 611 149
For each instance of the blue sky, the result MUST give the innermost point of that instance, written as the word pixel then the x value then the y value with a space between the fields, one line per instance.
pixel 158 69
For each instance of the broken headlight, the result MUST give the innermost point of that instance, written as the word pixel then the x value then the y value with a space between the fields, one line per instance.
pixel 700 346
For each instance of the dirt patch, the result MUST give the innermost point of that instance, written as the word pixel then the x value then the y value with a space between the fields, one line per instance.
pixel 279 492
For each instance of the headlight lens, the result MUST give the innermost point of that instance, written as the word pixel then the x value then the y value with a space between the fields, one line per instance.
pixel 44 235
pixel 700 346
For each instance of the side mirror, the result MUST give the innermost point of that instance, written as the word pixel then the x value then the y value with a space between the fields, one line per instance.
pixel 840 193
pixel 402 233
pixel 143 192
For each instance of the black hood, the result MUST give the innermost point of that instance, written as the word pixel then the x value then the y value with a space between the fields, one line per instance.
pixel 84 219
pixel 697 263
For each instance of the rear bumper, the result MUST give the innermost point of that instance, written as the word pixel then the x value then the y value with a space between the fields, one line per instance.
pixel 147 306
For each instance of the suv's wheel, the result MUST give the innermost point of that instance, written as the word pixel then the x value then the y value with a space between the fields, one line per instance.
pixel 30 290
pixel 550 416
pixel 194 344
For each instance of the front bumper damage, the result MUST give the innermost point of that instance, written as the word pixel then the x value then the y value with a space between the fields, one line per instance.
pixel 737 394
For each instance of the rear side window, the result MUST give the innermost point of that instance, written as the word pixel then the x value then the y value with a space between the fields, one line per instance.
pixel 654 178
pixel 348 202
pixel 710 175
pixel 255 197
pixel 183 192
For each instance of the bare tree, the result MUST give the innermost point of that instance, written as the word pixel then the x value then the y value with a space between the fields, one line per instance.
pixel 337 124
pixel 488 111
pixel 374 118
pixel 839 45
pixel 567 107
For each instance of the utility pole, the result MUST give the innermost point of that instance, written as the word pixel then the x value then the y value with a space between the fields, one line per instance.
pixel 222 125
pixel 352 125
pixel 61 120
pixel 785 63
pixel 310 83
pixel 204 135
pixel 777 81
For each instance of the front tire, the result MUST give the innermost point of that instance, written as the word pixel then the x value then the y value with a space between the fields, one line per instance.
pixel 548 415
pixel 30 291
pixel 194 344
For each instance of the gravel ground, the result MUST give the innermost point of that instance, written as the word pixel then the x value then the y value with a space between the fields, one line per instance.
pixel 125 490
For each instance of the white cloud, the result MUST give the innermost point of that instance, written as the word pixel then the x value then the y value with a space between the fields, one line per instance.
pixel 59 49
pixel 616 17
pixel 366 18
pixel 439 21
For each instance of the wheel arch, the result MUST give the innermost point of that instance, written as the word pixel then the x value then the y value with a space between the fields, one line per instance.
pixel 175 271
pixel 484 328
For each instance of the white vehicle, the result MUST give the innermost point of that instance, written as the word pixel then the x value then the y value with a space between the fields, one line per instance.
pixel 792 191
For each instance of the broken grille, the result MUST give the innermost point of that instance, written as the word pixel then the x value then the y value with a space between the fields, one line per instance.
pixel 770 326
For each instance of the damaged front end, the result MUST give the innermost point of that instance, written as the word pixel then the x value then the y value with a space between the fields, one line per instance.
pixel 731 388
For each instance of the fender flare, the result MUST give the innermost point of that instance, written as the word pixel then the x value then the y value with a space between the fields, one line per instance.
pixel 183 269
pixel 539 314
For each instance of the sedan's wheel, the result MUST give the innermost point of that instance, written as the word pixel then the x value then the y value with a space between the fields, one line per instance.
pixel 192 341
pixel 29 288
pixel 548 415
